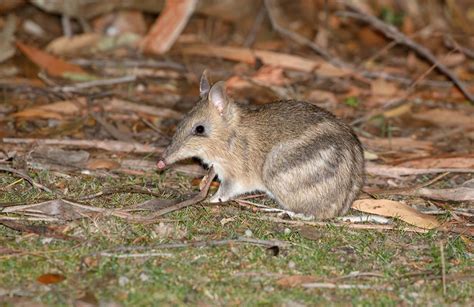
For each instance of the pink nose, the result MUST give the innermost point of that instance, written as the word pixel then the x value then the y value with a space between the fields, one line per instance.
pixel 161 164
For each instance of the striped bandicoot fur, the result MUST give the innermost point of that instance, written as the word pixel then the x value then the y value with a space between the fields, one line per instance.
pixel 297 153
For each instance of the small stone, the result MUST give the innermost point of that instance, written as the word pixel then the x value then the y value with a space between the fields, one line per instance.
pixel 248 233
pixel 291 265
pixel 287 231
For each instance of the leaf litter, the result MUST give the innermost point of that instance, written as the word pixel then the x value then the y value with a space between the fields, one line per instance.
pixel 127 106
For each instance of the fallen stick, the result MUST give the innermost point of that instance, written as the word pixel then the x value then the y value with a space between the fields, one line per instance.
pixel 198 244
pixel 273 11
pixel 89 84
pixel 152 218
pixel 27 178
pixel 107 145
pixel 393 33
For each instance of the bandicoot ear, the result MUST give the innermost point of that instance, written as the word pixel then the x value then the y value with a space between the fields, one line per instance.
pixel 218 97
pixel 204 85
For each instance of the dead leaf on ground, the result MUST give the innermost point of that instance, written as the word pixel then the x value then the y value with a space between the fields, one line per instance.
pixel 103 164
pixel 50 278
pixel 54 66
pixel 396 209
pixel 294 280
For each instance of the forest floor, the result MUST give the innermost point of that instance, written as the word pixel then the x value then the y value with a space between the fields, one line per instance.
pixel 87 220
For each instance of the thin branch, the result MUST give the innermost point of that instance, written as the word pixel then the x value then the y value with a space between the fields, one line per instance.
pixel 152 218
pixel 272 10
pixel 393 33
pixel 89 84
pixel 27 178
pixel 198 244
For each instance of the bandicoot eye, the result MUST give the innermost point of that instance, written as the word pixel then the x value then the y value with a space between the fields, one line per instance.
pixel 199 129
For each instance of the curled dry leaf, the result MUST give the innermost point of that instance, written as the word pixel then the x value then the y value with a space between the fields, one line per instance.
pixel 396 209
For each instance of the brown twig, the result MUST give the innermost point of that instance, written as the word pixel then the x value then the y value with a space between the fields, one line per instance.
pixel 273 11
pixel 197 244
pixel 193 200
pixel 26 177
pixel 393 33
pixel 114 132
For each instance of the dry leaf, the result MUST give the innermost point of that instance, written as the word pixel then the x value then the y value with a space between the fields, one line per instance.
pixel 50 278
pixel 103 164
pixel 396 209
pixel 54 66
pixel 295 280
pixel 55 110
